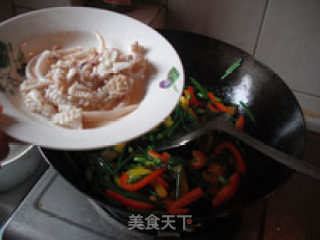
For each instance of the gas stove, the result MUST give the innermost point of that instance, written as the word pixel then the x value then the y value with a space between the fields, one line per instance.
pixel 55 210
pixel 49 208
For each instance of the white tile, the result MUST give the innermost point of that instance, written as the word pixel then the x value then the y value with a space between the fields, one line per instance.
pixel 290 43
pixel 233 21
pixel 146 12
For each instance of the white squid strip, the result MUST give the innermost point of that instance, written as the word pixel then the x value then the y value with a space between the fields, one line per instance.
pixel 102 116
pixel 67 51
pixel 102 43
pixel 42 66
pixel 29 68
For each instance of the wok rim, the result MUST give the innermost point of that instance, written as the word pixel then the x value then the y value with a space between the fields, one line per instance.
pixel 229 211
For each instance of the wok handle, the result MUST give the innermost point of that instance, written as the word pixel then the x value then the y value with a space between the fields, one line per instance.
pixel 298 165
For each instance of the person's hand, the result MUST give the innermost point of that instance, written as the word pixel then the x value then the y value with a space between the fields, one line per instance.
pixel 4 147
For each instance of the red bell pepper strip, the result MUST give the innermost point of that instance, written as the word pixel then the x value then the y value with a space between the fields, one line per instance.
pixel 153 198
pixel 165 156
pixel 177 207
pixel 240 123
pixel 141 183
pixel 193 100
pixel 128 202
pixel 199 160
pixel 239 161
pixel 163 182
pixel 219 105
pixel 154 154
pixel 212 108
pixel 228 191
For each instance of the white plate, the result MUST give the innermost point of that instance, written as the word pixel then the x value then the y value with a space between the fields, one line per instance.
pixel 71 26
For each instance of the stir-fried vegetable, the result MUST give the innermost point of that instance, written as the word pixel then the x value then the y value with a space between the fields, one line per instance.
pixel 140 178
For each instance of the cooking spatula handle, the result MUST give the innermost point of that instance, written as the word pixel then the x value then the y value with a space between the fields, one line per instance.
pixel 298 165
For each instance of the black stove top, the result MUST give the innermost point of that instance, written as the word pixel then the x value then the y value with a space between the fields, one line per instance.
pixel 56 210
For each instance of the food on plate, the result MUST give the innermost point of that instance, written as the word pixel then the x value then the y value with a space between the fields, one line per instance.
pixel 77 88
pixel 207 172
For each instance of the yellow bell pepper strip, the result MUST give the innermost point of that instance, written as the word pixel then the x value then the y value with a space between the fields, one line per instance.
pixel 168 122
pixel 177 207
pixel 239 161
pixel 227 192
pixel 159 189
pixel 199 159
pixel 120 147
pixel 184 102
pixel 128 202
pixel 138 172
pixel 141 183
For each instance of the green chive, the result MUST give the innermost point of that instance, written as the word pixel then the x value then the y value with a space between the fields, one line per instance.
pixel 139 159
pixel 247 110
pixel 217 99
pixel 171 130
pixel 122 164
pixel 232 68
pixel 203 91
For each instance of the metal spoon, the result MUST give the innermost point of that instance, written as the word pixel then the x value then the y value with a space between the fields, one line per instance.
pixel 220 123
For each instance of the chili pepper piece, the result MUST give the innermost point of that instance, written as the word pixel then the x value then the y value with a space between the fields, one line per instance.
pixel 193 100
pixel 212 108
pixel 240 123
pixel 165 156
pixel 128 202
pixel 220 105
pixel 154 154
pixel 177 206
pixel 239 161
pixel 227 192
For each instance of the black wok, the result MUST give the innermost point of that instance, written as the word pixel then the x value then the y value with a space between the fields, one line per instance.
pixel 280 122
